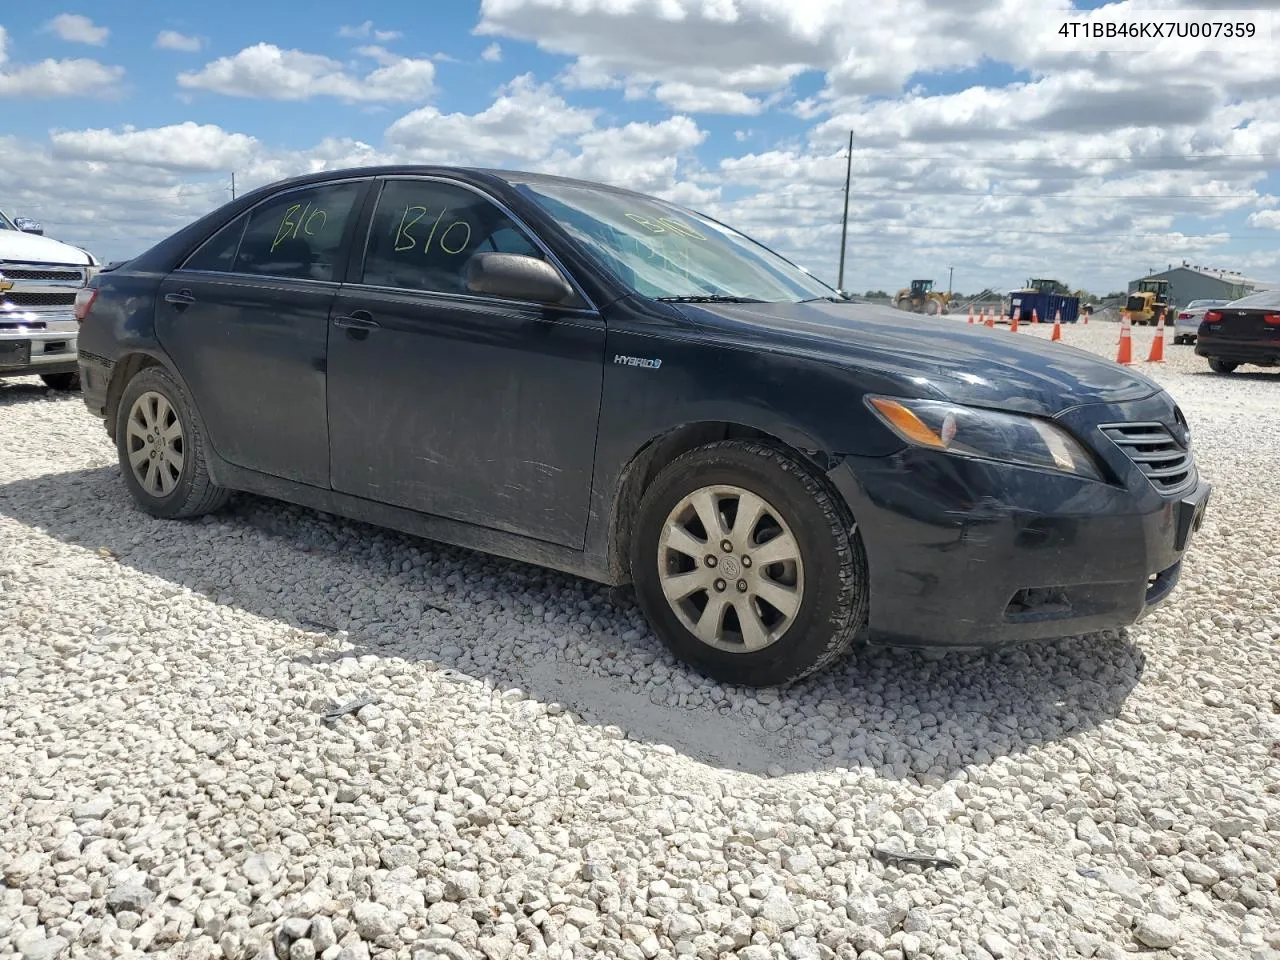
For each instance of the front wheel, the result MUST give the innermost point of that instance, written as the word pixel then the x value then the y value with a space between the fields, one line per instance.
pixel 1222 366
pixel 746 566
pixel 162 449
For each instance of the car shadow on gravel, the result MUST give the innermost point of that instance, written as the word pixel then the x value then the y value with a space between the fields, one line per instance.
pixel 23 390
pixel 565 640
pixel 1264 375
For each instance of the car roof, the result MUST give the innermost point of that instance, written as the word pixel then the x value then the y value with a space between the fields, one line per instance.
pixel 481 174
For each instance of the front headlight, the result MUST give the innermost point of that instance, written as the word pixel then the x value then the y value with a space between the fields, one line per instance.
pixel 985 434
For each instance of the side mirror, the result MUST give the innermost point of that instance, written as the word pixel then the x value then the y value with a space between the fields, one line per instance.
pixel 515 276
pixel 27 225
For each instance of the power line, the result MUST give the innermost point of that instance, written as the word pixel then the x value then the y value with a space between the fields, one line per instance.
pixel 743 165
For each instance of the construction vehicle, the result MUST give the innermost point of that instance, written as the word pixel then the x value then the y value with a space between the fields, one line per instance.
pixel 920 297
pixel 1045 299
pixel 1146 305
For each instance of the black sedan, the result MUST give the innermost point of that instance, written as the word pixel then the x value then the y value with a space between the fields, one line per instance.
pixel 1244 331
pixel 598 381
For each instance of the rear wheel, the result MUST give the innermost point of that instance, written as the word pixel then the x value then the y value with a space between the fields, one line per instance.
pixel 66 382
pixel 746 566
pixel 1222 366
pixel 162 449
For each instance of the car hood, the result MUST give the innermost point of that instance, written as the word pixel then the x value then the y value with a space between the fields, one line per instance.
pixel 932 357
pixel 28 247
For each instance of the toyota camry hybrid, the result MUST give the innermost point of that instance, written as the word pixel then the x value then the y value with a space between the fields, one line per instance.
pixel 601 382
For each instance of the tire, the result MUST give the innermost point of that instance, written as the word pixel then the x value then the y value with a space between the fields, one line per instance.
pixel 1222 366
pixel 831 572
pixel 931 307
pixel 65 382
pixel 189 491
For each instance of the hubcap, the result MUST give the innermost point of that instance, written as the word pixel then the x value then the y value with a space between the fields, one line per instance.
pixel 747 597
pixel 154 441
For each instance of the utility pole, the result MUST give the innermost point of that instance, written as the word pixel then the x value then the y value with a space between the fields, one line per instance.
pixel 844 224
pixel 950 277
pixel 233 184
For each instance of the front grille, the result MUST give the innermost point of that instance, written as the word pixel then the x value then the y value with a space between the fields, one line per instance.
pixel 1165 462
pixel 28 298
pixel 69 275
pixel 1136 304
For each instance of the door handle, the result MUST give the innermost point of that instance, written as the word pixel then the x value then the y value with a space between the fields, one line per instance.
pixel 357 320
pixel 182 298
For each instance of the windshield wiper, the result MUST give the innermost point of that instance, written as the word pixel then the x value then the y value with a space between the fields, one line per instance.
pixel 708 298
pixel 826 300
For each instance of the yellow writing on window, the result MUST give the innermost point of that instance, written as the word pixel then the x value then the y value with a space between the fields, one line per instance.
pixel 293 224
pixel 666 225
pixel 453 239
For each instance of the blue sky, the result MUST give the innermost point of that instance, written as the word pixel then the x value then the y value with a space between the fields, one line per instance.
pixel 976 144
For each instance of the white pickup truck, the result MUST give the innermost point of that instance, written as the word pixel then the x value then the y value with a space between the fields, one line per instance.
pixel 39 278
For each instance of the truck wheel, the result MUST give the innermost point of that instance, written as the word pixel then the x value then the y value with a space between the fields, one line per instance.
pixel 65 382
pixel 162 450
pixel 746 565
pixel 1222 366
pixel 931 308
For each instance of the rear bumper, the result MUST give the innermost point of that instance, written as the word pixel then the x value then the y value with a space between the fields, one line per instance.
pixel 1262 352
pixel 971 554
pixel 95 378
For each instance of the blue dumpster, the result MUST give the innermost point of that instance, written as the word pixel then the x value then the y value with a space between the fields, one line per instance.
pixel 1044 302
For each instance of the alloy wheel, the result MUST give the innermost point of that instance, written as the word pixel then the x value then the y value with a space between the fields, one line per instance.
pixel 731 569
pixel 155 444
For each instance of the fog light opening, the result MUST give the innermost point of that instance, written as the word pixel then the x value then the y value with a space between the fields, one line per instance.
pixel 1039 602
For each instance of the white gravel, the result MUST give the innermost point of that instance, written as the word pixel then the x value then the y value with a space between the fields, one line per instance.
pixel 535 777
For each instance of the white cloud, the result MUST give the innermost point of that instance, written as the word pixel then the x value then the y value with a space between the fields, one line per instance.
pixel 492 53
pixel 366 31
pixel 525 122
pixel 179 147
pixel 1265 218
pixel 56 78
pixel 264 71
pixel 77 28
pixel 173 40
pixel 686 97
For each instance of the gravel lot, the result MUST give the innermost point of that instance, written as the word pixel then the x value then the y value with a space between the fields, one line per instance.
pixel 536 777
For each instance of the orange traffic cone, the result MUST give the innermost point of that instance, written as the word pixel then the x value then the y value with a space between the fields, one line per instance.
pixel 1125 354
pixel 1086 318
pixel 991 317
pixel 1035 317
pixel 971 314
pixel 1057 326
pixel 1157 345
pixel 1017 314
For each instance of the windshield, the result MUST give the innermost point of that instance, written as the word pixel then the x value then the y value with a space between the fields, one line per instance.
pixel 663 251
pixel 1264 298
pixel 1206 303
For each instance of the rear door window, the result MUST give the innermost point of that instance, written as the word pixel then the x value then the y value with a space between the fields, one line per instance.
pixel 299 233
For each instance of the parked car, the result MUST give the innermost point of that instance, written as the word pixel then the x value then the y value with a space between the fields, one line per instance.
pixel 39 279
pixel 1188 320
pixel 1243 331
pixel 598 381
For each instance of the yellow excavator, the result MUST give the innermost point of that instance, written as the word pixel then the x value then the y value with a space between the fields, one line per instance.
pixel 920 297
pixel 1149 301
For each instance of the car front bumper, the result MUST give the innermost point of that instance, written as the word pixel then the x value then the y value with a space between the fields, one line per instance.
pixel 967 554
pixel 46 345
